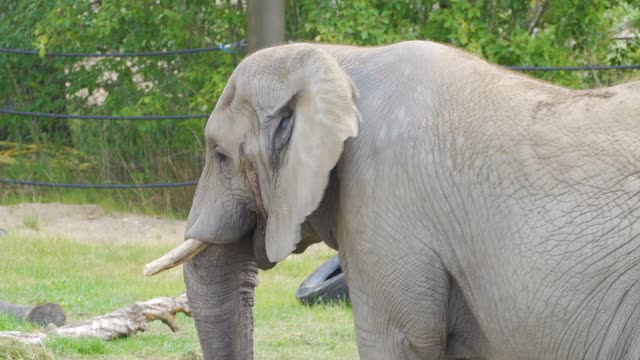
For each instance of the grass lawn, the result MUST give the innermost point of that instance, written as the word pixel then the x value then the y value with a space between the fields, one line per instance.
pixel 92 279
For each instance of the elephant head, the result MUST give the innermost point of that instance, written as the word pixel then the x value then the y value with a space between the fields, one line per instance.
pixel 272 140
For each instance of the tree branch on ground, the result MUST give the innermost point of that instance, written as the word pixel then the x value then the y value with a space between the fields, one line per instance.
pixel 124 322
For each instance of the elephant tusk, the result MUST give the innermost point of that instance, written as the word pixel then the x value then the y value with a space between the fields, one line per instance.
pixel 185 251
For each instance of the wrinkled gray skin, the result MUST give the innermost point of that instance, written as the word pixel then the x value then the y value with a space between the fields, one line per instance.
pixel 477 213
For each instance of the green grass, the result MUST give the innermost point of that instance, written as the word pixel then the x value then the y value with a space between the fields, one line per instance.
pixel 32 222
pixel 91 279
pixel 287 330
pixel 14 350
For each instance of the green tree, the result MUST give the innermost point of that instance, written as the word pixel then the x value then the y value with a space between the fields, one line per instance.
pixel 508 32
pixel 179 84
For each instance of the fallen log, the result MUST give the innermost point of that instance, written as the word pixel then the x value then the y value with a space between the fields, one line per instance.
pixel 123 322
pixel 129 320
pixel 43 314
pixel 34 338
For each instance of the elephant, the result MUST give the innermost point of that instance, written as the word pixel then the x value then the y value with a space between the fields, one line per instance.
pixel 477 212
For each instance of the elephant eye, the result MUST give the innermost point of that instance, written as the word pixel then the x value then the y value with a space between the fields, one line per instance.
pixel 220 156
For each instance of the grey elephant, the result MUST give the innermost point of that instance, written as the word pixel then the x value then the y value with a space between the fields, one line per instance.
pixel 478 213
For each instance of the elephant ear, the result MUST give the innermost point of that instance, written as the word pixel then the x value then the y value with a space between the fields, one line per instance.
pixel 324 116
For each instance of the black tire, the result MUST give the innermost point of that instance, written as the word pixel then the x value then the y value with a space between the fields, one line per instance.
pixel 326 284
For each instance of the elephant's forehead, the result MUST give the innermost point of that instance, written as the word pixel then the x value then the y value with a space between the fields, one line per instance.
pixel 226 130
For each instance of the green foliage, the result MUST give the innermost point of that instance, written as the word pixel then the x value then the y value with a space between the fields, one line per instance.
pixel 29 83
pixel 123 151
pixel 508 32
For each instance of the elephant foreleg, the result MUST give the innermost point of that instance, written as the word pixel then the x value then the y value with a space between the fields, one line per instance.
pixel 399 305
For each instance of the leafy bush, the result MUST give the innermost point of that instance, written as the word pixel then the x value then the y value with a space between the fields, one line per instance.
pixel 508 32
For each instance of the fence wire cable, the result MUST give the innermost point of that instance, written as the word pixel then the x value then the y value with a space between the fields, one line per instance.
pixel 226 48
pixel 103 117
pixel 230 48
pixel 98 186
pixel 204 116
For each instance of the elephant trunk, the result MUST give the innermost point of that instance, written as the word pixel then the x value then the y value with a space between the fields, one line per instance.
pixel 221 283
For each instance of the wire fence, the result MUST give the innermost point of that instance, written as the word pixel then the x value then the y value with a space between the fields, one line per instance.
pixel 103 117
pixel 229 48
pixel 98 186
pixel 222 47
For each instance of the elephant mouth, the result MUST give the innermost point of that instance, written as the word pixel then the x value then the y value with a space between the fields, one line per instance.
pixel 192 247
pixel 259 244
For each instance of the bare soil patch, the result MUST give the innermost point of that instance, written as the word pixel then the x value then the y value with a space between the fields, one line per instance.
pixel 89 223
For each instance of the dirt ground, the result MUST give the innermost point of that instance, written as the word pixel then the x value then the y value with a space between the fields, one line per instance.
pixel 89 223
